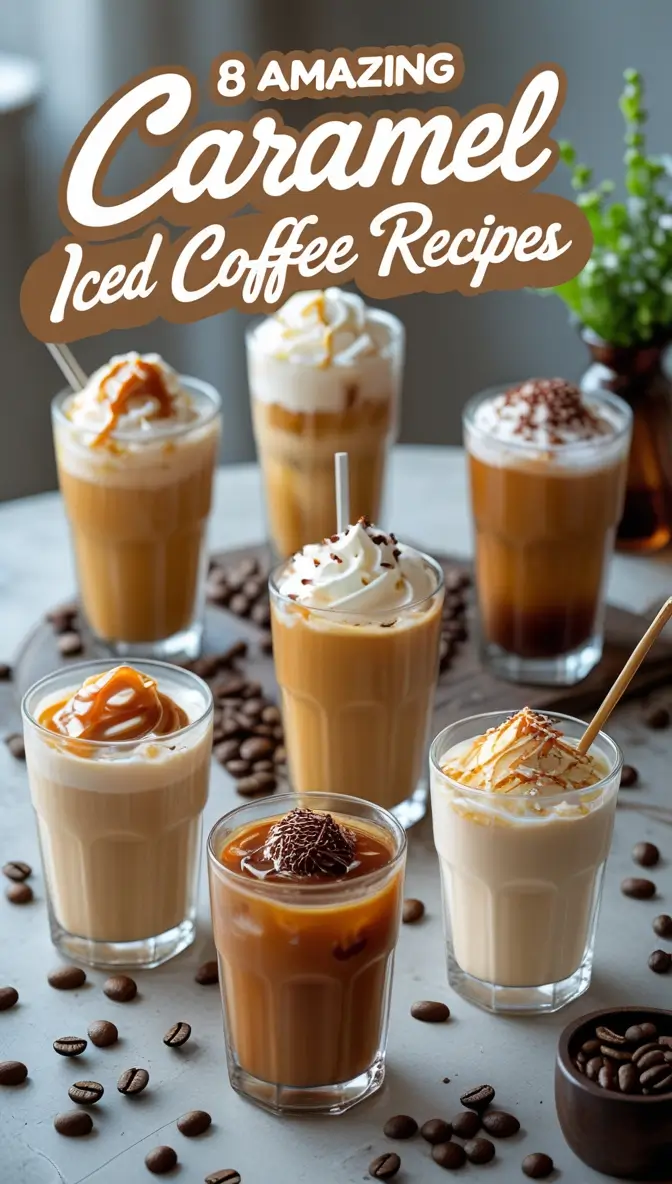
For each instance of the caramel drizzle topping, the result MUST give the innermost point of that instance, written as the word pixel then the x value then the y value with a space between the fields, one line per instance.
pixel 121 704
pixel 145 379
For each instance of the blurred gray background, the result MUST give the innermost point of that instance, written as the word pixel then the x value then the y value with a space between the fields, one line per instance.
pixel 85 49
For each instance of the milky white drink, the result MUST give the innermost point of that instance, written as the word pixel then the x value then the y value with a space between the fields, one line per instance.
pixel 118 765
pixel 522 826
pixel 325 375
pixel 136 451
pixel 356 623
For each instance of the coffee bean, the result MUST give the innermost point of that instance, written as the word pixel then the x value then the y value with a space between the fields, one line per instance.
pixel 252 689
pixel 639 889
pixel 17 870
pixel 178 1035
pixel 257 783
pixel 86 1093
pixel 252 589
pixel 239 605
pixel 19 893
pixel 607 1076
pixel 660 961
pixel 414 910
pixel 229 687
pixel 5 672
pixel 629 776
pixel 261 615
pixel 429 1011
pixel 193 1123
pixel 9 996
pixel 593 1068
pixel 500 1124
pixel 590 1048
pixel 401 1126
pixel 658 718
pixel 665 1041
pixel 67 978
pixel 252 709
pixel 61 617
pixel 225 1176
pixel 255 748
pixel 16 746
pixel 120 988
pixel 628 1079
pixel 227 750
pixel 271 714
pixel 449 1155
pixel 263 767
pixel 266 643
pixel 207 974
pixel 537 1165
pixel 69 1046
pixel 664 1085
pixel 383 1167
pixel 616 1054
pixel 435 1130
pixel 160 1160
pixel 238 768
pixel 465 1124
pixel 655 1074
pixel 12 1072
pixel 69 644
pixel 103 1033
pixel 478 1098
pixel 606 1036
pixel 638 1032
pixel 74 1123
pixel 646 854
pixel 662 925
pixel 133 1081
pixel 641 1052
pixel 656 1056
pixel 479 1150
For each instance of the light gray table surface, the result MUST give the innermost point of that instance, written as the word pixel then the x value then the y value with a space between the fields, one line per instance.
pixel 426 504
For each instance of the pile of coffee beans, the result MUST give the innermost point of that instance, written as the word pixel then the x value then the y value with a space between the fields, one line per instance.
pixel 17 872
pixel 454 617
pixel 64 622
pixel 242 587
pixel 638 1061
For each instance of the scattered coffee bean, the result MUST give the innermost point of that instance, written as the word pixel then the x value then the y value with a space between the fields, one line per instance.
pixel 62 617
pixel 478 1098
pixel 120 988
pixel 103 1033
pixel 5 672
pixel 629 776
pixel 658 718
pixel 133 1081
pixel 207 974
pixel 19 893
pixel 9 996
pixel 606 1036
pixel 435 1130
pixel 645 854
pixel 639 1032
pixel 401 1126
pixel 67 978
pixel 662 925
pixel 178 1035
pixel 74 1123
pixel 479 1150
pixel 86 1093
pixel 414 910
pixel 383 1167
pixel 638 889
pixel 429 1011
pixel 69 644
pixel 12 1072
pixel 223 1176
pixel 466 1124
pixel 193 1123
pixel 500 1124
pixel 449 1155
pixel 257 783
pixel 628 1079
pixel 69 1046
pixel 160 1160
pixel 660 961
pixel 537 1165
pixel 16 746
pixel 17 870
pixel 266 642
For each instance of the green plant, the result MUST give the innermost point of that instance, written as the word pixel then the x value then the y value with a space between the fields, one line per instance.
pixel 624 293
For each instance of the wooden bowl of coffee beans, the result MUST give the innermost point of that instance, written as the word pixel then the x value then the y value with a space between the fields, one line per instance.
pixel 613 1091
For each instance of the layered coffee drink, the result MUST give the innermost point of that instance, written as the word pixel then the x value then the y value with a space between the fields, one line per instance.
pixel 118 765
pixel 325 376
pixel 547 472
pixel 306 907
pixel 356 622
pixel 522 826
pixel 136 452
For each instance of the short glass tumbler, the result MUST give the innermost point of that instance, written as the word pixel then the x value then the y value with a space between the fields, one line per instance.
pixel 305 970
pixel 521 878
pixel 120 824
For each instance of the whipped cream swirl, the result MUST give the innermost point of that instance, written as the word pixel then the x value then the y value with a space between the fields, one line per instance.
pixel 330 328
pixel 544 413
pixel 361 571
pixel 92 408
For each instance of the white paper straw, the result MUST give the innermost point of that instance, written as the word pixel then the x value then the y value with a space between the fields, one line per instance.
pixel 342 491
pixel 68 365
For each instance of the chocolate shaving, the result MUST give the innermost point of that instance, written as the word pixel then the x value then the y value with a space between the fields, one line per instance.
pixel 305 843
pixel 336 558
pixel 387 565
pixel 333 538
pixel 307 581
pixel 396 552
pixel 565 407
pixel 292 596
pixel 316 562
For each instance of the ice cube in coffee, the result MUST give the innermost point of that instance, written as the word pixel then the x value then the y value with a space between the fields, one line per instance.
pixel 547 473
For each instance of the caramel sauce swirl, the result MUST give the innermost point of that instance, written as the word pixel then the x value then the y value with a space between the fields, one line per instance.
pixel 145 380
pixel 120 704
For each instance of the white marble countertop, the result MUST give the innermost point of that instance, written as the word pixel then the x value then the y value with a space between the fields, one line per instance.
pixel 427 504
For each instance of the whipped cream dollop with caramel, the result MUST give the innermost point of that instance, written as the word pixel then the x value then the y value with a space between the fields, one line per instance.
pixel 363 570
pixel 117 705
pixel 544 413
pixel 526 754
pixel 323 329
pixel 132 393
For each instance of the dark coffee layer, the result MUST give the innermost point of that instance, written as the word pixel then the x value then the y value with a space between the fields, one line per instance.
pixel 542 632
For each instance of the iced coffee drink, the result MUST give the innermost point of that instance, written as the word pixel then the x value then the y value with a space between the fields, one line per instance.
pixel 306 896
pixel 547 473
pixel 118 764
pixel 136 452
pixel 522 827
pixel 356 621
pixel 325 376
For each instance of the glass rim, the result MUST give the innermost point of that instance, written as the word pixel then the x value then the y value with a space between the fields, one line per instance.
pixel 119 745
pixel 527 447
pixel 438 743
pixel 172 432
pixel 332 611
pixel 291 800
